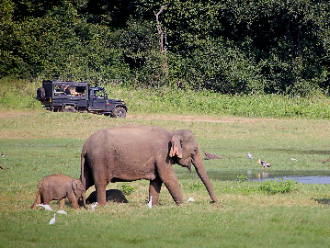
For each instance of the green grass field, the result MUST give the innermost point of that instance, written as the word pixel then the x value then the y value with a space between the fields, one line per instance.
pixel 274 128
pixel 38 143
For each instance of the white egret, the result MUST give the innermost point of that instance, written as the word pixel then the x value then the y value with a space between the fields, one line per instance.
pixel 293 159
pixel 249 155
pixel 52 221
pixel 150 202
pixel 62 212
pixel 45 206
pixel 191 199
pixel 94 206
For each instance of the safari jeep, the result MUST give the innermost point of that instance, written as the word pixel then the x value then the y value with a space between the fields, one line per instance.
pixel 79 97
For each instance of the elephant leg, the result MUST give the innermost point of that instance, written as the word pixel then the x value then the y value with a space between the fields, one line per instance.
pixel 74 203
pixel 154 189
pixel 62 203
pixel 169 178
pixel 174 189
pixel 101 193
pixel 46 199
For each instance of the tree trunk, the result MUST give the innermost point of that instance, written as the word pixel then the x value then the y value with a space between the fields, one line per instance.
pixel 162 48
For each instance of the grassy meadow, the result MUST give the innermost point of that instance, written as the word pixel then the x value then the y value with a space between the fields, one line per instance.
pixel 38 143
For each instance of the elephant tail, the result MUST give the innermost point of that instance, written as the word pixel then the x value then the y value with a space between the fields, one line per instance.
pixel 86 176
pixel 82 175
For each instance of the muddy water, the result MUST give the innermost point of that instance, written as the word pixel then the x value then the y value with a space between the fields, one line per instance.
pixel 314 177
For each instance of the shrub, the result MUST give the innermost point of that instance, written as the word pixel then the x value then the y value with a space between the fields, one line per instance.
pixel 278 186
pixel 126 189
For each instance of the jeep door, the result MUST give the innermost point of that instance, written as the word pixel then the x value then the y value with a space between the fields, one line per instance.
pixel 98 100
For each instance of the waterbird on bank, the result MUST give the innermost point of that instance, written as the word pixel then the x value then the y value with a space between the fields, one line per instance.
pixel 325 161
pixel 62 212
pixel 293 159
pixel 263 163
pixel 94 206
pixel 211 156
pixel 150 203
pixel 52 221
pixel 45 206
pixel 3 168
pixel 249 155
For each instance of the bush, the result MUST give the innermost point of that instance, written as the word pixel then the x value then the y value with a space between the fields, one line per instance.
pixel 126 189
pixel 278 186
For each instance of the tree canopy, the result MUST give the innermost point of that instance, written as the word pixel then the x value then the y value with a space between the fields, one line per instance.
pixel 228 46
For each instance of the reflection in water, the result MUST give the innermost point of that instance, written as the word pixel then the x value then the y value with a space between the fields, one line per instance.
pixel 312 177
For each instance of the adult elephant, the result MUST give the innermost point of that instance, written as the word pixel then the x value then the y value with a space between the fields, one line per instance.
pixel 130 153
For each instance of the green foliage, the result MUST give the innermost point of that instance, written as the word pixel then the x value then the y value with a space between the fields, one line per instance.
pixel 20 94
pixel 126 189
pixel 241 178
pixel 231 47
pixel 278 186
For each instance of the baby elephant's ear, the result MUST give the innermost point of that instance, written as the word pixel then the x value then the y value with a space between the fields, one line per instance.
pixel 176 149
pixel 77 187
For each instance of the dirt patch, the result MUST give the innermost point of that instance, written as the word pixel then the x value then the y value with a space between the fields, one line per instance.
pixel 190 118
pixel 10 114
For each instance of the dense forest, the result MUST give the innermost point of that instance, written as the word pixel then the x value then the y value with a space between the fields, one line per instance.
pixel 242 46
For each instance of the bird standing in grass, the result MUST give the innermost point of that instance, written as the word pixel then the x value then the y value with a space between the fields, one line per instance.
pixel 211 156
pixel 263 163
pixel 249 155
pixel 62 212
pixel 150 202
pixel 45 206
pixel 52 221
pixel 94 206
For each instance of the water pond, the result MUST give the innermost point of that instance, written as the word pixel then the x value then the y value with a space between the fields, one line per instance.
pixel 312 177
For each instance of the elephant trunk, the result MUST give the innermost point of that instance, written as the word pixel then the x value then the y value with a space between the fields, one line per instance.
pixel 199 166
pixel 84 200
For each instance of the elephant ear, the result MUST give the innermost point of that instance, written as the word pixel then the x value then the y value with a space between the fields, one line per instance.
pixel 77 189
pixel 176 149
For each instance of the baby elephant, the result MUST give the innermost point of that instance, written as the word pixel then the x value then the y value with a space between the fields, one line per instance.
pixel 114 195
pixel 58 187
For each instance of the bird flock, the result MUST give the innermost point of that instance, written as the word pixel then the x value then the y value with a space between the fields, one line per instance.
pixel 53 220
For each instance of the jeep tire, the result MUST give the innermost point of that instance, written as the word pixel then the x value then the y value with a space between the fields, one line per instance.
pixel 69 109
pixel 119 112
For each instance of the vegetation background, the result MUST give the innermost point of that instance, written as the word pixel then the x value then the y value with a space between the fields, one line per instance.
pixel 262 56
pixel 227 46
